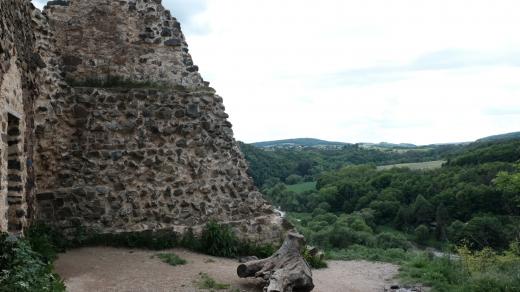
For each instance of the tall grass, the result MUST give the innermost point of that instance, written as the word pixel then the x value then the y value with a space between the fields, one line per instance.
pixel 171 259
pixel 480 271
pixel 207 282
pixel 215 239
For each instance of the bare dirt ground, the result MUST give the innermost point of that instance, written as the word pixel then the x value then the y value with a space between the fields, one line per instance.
pixel 103 269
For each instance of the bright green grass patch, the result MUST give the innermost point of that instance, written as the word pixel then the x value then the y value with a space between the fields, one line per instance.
pixel 359 252
pixel 302 187
pixel 171 259
pixel 428 165
pixel 206 282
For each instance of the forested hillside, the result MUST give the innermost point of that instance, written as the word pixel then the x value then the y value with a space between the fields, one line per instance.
pixel 302 142
pixel 470 205
pixel 507 136
pixel 271 166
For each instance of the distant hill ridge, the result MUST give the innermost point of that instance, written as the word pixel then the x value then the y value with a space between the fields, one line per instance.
pixel 313 142
pixel 303 142
pixel 507 136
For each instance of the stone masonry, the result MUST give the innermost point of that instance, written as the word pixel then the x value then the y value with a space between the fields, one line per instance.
pixel 134 157
pixel 19 88
pixel 132 39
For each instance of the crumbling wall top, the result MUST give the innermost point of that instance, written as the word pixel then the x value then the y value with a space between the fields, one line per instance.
pixel 137 40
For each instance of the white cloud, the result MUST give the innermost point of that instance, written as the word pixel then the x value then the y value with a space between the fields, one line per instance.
pixel 376 70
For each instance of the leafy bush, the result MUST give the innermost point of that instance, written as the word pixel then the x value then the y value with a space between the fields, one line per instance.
pixel 485 231
pixel 45 240
pixel 392 240
pixel 422 233
pixel 359 252
pixel 456 231
pixel 441 273
pixel 342 236
pixel 246 248
pixel 218 240
pixel 22 269
pixel 190 241
pixel 293 179
pixel 485 270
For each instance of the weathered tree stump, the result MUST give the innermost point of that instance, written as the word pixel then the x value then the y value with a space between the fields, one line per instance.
pixel 285 270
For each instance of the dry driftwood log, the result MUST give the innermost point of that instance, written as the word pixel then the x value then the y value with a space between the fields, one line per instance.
pixel 285 270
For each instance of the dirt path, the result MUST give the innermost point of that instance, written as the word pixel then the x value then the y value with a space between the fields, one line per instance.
pixel 123 270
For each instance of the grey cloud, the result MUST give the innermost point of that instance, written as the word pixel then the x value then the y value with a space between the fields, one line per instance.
pixel 450 59
pixel 454 59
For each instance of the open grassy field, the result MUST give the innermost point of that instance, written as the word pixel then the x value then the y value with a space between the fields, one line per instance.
pixel 302 187
pixel 428 165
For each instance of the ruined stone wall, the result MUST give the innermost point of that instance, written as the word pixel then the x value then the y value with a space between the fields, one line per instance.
pixel 135 159
pixel 18 90
pixel 119 159
pixel 146 159
pixel 136 39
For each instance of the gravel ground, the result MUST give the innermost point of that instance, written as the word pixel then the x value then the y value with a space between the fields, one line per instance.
pixel 104 269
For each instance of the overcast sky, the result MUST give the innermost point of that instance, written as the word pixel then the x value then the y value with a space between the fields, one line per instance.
pixel 360 71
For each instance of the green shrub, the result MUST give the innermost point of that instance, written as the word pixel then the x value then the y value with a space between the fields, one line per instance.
pixel 482 231
pixel 22 269
pixel 442 273
pixel 392 240
pixel 354 221
pixel 456 231
pixel 246 248
pixel 190 241
pixel 45 240
pixel 171 259
pixel 342 237
pixel 422 233
pixel 218 240
pixel 359 252
pixel 293 179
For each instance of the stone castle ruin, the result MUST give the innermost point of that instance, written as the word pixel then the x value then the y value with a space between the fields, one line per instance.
pixel 107 124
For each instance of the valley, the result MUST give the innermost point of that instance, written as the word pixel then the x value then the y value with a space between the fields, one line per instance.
pixel 407 208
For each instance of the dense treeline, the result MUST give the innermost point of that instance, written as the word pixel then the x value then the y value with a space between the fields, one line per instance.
pixel 474 199
pixel 469 209
pixel 482 152
pixel 271 166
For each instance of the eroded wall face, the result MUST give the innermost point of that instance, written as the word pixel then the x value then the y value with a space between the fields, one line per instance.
pixel 131 39
pixel 146 159
pixel 18 90
pixel 128 159
pixel 115 160
pixel 12 167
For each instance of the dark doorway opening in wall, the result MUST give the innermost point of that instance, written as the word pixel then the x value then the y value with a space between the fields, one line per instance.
pixel 15 211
